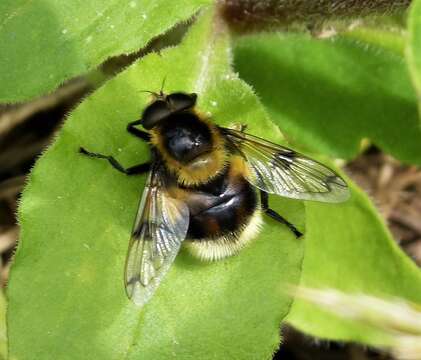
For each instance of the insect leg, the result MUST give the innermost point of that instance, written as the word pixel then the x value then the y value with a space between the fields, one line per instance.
pixel 264 198
pixel 136 132
pixel 133 170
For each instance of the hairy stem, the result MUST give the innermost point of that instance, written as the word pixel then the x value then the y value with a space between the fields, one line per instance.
pixel 249 14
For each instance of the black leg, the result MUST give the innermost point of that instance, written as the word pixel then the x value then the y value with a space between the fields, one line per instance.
pixel 136 132
pixel 264 198
pixel 133 170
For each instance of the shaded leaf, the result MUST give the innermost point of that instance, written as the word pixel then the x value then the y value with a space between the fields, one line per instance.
pixel 330 94
pixel 66 289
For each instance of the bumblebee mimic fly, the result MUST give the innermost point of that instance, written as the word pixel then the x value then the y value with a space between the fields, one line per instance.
pixel 207 188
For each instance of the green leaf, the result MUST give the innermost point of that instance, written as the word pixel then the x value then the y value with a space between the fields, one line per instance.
pixel 350 249
pixel 66 293
pixel 44 43
pixel 413 48
pixel 330 94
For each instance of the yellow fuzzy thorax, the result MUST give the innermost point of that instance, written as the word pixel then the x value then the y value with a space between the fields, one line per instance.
pixel 197 172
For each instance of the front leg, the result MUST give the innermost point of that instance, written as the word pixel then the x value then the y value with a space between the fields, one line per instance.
pixel 264 198
pixel 133 170
pixel 136 132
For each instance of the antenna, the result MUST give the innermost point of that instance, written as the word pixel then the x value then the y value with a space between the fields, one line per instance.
pixel 161 92
pixel 162 86
pixel 148 91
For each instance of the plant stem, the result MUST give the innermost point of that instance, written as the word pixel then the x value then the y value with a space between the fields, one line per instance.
pixel 245 15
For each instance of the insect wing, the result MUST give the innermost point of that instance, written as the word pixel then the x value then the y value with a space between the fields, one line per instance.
pixel 160 227
pixel 279 170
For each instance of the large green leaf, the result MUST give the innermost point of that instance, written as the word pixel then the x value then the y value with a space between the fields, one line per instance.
pixel 350 249
pixel 413 49
pixel 43 43
pixel 330 94
pixel 66 294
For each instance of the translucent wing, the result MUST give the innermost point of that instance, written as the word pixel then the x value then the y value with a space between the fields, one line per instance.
pixel 160 227
pixel 279 170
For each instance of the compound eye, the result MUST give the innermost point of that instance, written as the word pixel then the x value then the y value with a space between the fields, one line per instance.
pixel 181 101
pixel 154 113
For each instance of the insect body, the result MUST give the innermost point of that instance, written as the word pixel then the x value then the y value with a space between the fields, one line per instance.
pixel 207 187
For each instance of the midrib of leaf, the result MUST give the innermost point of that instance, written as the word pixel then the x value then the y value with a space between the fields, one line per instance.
pixel 203 70
pixel 199 87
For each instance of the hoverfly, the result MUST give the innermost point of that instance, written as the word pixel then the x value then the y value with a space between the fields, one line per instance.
pixel 208 188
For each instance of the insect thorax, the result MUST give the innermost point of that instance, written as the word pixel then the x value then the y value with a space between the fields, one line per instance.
pixel 191 147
